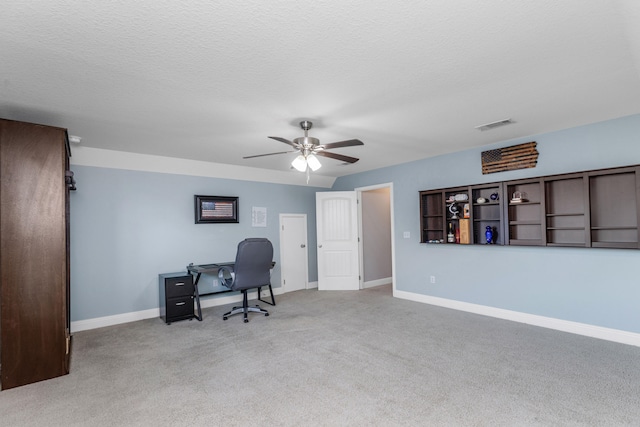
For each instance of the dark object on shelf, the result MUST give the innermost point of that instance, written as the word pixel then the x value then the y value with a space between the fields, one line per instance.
pixel 453 208
pixel 494 196
pixel 35 340
pixel 216 209
pixel 488 234
pixel 520 156
pixel 450 236
pixel 251 270
pixel 176 297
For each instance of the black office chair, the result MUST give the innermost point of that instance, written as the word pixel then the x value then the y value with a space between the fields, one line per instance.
pixel 252 269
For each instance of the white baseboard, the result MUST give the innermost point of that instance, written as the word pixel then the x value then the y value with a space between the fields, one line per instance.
pixel 312 285
pixel 377 282
pixel 615 335
pixel 101 322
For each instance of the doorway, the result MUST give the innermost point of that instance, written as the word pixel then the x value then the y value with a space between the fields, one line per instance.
pixel 376 245
pixel 294 252
pixel 355 220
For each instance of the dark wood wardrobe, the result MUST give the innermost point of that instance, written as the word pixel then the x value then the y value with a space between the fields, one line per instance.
pixel 34 253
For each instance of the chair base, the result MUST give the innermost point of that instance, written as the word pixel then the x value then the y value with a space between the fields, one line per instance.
pixel 245 309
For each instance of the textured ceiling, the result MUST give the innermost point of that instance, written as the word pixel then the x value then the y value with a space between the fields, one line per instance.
pixel 210 80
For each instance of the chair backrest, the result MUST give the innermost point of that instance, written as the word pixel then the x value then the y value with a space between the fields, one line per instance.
pixel 253 264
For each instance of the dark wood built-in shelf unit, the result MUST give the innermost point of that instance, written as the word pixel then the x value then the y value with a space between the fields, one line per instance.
pixel 591 209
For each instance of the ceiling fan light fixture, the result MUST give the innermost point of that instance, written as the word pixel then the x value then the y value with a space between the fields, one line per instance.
pixel 300 163
pixel 313 162
pixel 307 147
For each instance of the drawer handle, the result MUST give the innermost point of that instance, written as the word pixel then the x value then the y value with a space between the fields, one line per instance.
pixel 180 303
pixel 180 284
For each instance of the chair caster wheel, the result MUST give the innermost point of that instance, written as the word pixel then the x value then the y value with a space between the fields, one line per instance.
pixel 246 320
pixel 266 314
pixel 225 318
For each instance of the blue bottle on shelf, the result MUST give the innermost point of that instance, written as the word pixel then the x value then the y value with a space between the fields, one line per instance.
pixel 488 234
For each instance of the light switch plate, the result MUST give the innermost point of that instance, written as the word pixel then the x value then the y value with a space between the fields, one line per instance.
pixel 406 235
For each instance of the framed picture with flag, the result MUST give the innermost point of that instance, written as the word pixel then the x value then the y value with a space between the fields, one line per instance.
pixel 216 209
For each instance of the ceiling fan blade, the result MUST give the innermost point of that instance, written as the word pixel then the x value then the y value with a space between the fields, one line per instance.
pixel 347 143
pixel 340 157
pixel 271 154
pixel 286 141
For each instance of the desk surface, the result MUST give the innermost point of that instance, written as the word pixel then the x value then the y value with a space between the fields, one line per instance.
pixel 208 268
pixel 212 268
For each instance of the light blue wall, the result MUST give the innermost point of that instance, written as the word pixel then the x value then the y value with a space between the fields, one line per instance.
pixel 129 226
pixel 593 286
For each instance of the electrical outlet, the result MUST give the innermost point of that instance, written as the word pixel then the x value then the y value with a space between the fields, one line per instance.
pixel 432 279
pixel 406 235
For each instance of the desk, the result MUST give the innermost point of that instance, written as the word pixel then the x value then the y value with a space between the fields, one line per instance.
pixel 198 270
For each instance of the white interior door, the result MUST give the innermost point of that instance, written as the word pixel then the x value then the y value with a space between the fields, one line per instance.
pixel 337 229
pixel 294 252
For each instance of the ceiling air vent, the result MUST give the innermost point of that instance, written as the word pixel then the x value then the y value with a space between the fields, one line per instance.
pixel 493 125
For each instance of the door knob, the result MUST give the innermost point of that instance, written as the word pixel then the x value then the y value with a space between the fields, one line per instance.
pixel 319 246
pixel 303 245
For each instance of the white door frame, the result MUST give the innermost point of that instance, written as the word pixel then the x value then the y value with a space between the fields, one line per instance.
pixel 305 244
pixel 359 192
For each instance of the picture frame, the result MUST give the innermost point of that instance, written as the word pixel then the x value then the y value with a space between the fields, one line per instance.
pixel 216 209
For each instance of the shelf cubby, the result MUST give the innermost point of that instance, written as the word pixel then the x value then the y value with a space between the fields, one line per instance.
pixel 566 217
pixel 488 213
pixel 526 219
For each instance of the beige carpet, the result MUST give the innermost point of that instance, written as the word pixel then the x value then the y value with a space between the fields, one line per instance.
pixel 359 358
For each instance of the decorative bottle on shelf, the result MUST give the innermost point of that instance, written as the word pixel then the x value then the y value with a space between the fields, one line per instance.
pixel 450 237
pixel 458 235
pixel 488 234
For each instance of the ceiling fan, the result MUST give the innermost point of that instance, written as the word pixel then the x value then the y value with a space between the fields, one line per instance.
pixel 309 147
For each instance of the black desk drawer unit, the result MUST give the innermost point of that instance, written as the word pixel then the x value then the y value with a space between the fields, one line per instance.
pixel 176 297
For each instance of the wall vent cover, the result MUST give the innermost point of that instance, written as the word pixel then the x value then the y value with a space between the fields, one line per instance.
pixel 493 125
